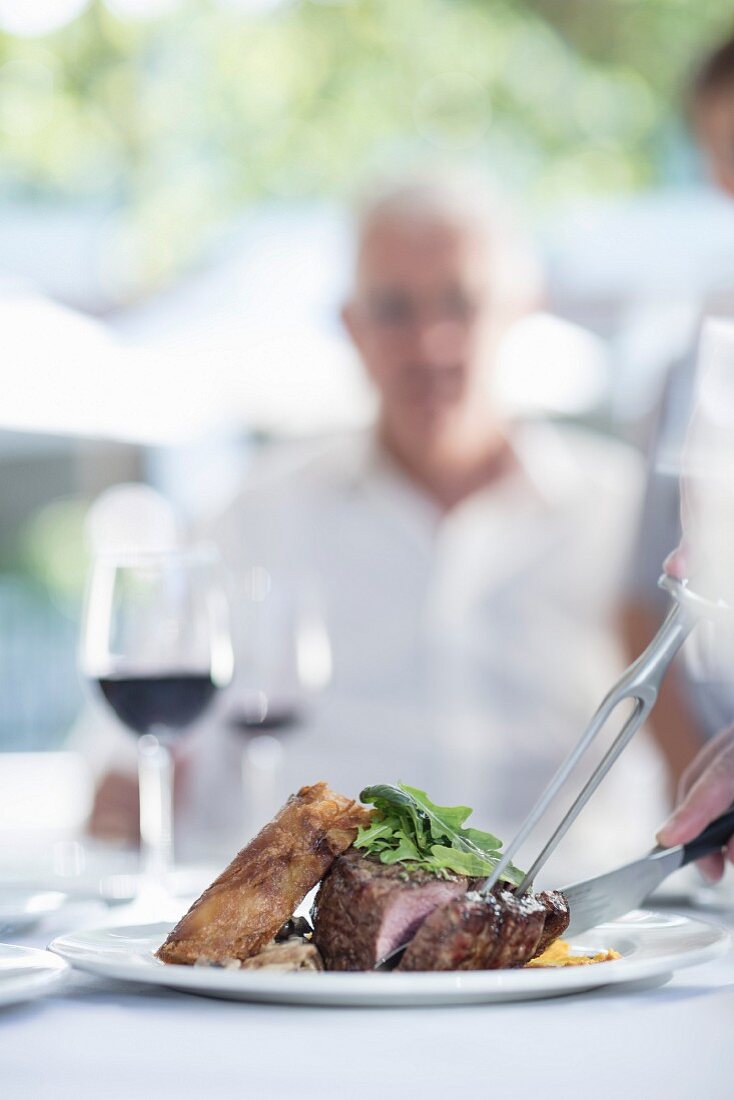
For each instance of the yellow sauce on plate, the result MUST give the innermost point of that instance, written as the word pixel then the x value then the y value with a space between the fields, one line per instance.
pixel 559 954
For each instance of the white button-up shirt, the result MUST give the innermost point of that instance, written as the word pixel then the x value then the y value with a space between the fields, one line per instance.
pixel 470 648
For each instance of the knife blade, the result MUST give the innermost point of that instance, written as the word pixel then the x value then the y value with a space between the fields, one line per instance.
pixel 601 899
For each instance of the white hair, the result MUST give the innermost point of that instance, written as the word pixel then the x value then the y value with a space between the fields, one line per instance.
pixel 467 201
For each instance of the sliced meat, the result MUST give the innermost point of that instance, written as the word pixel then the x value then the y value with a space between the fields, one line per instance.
pixel 523 920
pixel 461 935
pixel 557 918
pixel 245 907
pixel 365 909
pixel 474 932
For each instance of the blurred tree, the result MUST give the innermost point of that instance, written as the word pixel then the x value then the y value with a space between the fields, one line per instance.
pixel 179 112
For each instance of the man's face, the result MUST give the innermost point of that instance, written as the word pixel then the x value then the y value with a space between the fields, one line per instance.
pixel 714 121
pixel 420 319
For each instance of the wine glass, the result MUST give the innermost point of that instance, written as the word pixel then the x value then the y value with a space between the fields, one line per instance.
pixel 155 644
pixel 283 662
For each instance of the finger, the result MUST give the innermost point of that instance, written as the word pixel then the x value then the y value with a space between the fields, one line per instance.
pixel 730 850
pixel 711 867
pixel 710 795
pixel 703 759
pixel 675 564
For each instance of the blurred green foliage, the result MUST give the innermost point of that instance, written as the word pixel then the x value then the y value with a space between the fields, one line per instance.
pixel 54 552
pixel 181 120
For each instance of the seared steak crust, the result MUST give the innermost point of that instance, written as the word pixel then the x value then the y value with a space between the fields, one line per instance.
pixel 523 920
pixel 365 909
pixel 253 897
pixel 557 918
pixel 461 935
pixel 475 932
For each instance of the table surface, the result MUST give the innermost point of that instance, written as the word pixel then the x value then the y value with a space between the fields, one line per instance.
pixel 107 1039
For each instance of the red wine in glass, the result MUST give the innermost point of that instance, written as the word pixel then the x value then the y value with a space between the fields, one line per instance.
pixel 172 701
pixel 155 642
pixel 272 716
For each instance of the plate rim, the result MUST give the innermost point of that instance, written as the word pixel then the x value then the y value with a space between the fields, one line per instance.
pixel 31 983
pixel 369 988
pixel 13 920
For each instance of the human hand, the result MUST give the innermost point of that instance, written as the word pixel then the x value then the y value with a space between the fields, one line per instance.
pixel 706 791
pixel 676 563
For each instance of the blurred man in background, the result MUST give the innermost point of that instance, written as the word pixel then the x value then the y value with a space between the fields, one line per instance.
pixel 457 554
pixel 688 711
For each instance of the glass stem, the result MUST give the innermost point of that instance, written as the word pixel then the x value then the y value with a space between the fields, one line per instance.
pixel 155 776
pixel 261 761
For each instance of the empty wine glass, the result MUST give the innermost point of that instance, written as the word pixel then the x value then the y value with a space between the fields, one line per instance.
pixel 156 646
pixel 283 663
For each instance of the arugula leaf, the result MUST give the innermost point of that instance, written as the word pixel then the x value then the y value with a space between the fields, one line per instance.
pixel 440 816
pixel 447 821
pixel 409 828
pixel 378 832
pixel 463 863
pixel 406 852
pixel 483 840
pixel 388 793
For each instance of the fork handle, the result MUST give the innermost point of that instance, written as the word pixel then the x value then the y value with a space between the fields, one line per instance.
pixel 714 837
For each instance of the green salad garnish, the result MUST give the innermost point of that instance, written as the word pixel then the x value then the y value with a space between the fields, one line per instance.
pixel 410 829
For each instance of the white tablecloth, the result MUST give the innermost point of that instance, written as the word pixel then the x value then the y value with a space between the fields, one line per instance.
pixel 108 1040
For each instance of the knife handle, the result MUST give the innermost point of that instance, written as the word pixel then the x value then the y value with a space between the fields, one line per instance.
pixel 714 837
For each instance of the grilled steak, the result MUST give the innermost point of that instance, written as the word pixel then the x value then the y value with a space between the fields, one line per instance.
pixel 474 932
pixel 245 907
pixel 523 920
pixel 461 935
pixel 557 918
pixel 365 909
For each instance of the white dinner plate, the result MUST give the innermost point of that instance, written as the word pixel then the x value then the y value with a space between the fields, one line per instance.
pixel 652 945
pixel 21 908
pixel 26 972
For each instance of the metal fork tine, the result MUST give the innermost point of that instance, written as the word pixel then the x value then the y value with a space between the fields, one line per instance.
pixel 550 792
pixel 629 729
pixel 640 683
